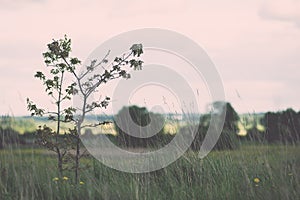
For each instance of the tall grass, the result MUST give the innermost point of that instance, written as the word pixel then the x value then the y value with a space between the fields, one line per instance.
pixel 28 174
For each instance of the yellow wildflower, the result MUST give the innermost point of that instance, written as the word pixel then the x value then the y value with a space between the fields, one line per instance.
pixel 81 183
pixel 65 178
pixel 256 180
pixel 55 179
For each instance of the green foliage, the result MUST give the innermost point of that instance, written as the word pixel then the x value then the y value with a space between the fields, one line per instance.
pixel 282 126
pixel 59 62
pixel 137 49
pixel 33 109
pixel 141 117
pixel 46 137
pixel 55 87
pixel 231 116
pixel 228 138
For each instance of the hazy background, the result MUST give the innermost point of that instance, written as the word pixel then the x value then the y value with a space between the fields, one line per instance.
pixel 255 44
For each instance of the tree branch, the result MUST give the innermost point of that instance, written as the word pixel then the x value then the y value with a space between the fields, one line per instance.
pixel 96 125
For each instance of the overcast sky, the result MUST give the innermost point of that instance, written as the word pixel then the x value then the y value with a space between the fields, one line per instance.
pixel 255 44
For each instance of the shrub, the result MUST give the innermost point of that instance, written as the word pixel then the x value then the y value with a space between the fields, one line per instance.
pixel 141 117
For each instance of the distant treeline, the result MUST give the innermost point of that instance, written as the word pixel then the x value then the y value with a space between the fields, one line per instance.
pixel 279 127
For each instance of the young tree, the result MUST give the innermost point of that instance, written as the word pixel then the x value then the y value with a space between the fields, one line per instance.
pixel 59 92
pixel 85 84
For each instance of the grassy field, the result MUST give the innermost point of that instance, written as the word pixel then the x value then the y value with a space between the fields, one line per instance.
pixel 252 172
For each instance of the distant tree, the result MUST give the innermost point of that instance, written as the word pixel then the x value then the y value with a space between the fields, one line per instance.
pixel 231 116
pixel 141 117
pixel 282 126
pixel 228 138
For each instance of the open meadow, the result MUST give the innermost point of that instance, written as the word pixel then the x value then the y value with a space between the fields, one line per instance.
pixel 251 172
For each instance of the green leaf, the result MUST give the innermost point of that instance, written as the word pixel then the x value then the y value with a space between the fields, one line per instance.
pixel 137 49
pixel 75 61
pixel 40 75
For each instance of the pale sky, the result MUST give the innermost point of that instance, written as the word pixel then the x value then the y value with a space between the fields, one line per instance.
pixel 255 44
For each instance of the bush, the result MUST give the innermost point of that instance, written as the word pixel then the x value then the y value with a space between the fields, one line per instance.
pixel 141 117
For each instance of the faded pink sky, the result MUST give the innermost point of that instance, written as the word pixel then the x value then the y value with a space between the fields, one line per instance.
pixel 255 44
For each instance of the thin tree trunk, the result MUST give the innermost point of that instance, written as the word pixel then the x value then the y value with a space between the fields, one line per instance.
pixel 59 163
pixel 79 125
pixel 77 157
pixel 59 155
